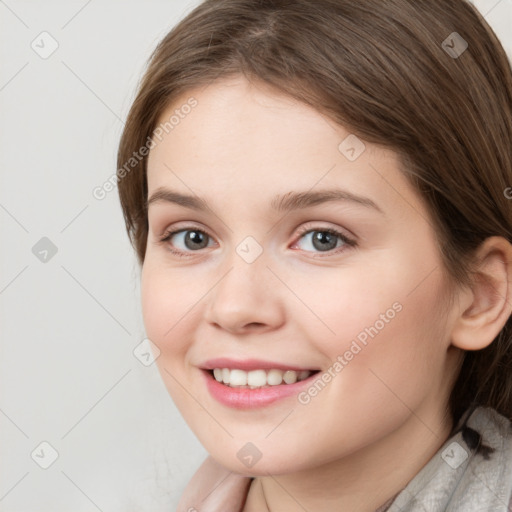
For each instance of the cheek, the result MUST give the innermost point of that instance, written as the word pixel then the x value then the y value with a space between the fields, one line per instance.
pixel 395 355
pixel 354 304
pixel 382 321
pixel 168 300
pixel 379 371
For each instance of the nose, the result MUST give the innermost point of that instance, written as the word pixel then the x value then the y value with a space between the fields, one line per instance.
pixel 247 298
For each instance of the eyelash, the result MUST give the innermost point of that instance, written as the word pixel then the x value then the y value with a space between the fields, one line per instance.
pixel 302 231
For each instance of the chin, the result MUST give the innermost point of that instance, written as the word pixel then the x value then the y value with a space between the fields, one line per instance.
pixel 283 463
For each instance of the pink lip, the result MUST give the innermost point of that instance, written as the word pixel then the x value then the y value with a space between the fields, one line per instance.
pixel 248 365
pixel 245 398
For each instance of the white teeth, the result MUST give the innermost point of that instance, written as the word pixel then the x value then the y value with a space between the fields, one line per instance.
pixel 290 377
pixel 274 377
pixel 258 378
pixel 254 377
pixel 238 378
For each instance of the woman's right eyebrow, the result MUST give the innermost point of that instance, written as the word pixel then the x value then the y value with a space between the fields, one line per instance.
pixel 294 200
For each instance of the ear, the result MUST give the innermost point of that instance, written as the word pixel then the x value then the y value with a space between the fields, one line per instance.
pixel 487 305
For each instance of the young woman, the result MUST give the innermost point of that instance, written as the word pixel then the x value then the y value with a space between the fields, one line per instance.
pixel 319 193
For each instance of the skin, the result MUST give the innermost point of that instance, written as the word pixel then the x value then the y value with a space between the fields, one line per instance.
pixel 378 422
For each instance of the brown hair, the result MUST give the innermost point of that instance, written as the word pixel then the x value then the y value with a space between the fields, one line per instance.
pixel 385 71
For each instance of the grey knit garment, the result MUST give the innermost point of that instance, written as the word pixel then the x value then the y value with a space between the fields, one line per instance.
pixel 461 477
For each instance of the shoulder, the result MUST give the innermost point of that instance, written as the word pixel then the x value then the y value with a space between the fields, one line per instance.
pixel 491 461
pixel 472 471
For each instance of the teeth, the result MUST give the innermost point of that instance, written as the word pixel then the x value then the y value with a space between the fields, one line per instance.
pixel 290 377
pixel 237 378
pixel 274 377
pixel 258 378
pixel 304 374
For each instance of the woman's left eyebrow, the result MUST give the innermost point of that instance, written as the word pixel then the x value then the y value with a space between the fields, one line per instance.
pixel 294 200
pixel 299 200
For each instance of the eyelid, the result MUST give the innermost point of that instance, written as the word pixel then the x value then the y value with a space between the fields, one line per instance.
pixel 182 226
pixel 317 226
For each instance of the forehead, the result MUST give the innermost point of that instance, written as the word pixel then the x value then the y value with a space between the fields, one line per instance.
pixel 249 141
pixel 234 117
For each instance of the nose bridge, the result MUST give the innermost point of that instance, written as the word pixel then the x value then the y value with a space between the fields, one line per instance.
pixel 245 295
pixel 247 268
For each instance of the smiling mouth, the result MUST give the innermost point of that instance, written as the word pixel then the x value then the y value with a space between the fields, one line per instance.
pixel 259 379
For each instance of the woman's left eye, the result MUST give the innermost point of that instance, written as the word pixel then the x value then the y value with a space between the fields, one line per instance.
pixel 322 239
pixel 326 239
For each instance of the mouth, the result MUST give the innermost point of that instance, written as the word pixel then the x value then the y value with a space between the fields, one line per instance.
pixel 257 388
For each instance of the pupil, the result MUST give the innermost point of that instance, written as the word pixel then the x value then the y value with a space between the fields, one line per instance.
pixel 325 240
pixel 194 237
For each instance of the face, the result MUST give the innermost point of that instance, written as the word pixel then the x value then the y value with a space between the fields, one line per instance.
pixel 349 286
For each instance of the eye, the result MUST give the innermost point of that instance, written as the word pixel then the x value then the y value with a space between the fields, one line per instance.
pixel 325 239
pixel 191 239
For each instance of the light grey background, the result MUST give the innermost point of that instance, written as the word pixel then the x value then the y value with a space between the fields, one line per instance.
pixel 70 324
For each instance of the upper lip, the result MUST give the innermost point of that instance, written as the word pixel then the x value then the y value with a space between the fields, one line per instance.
pixel 249 364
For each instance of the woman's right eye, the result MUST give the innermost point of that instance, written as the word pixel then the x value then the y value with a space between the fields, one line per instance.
pixel 191 239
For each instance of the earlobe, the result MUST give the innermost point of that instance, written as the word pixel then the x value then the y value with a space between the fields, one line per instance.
pixel 486 307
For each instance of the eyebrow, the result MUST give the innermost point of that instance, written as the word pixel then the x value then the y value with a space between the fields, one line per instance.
pixel 280 203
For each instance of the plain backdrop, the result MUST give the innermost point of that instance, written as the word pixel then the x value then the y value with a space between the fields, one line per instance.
pixel 85 425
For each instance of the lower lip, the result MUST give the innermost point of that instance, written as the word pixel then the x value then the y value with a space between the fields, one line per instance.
pixel 245 398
